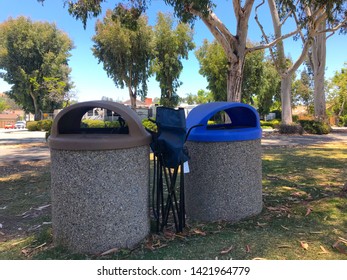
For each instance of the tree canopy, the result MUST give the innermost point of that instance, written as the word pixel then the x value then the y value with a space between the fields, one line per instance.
pixel 170 46
pixel 34 59
pixel 123 44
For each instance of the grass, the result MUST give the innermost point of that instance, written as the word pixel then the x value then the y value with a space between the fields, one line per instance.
pixel 304 215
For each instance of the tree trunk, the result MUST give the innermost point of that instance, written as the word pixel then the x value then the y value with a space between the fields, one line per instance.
pixel 286 85
pixel 319 61
pixel 234 81
pixel 132 99
pixel 37 112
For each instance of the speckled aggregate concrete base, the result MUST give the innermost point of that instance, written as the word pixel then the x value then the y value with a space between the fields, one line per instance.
pixel 224 182
pixel 100 198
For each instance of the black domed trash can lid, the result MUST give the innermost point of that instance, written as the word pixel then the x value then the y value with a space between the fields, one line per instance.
pixel 245 123
pixel 67 133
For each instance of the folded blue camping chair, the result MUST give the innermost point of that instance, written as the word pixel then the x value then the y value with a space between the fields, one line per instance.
pixel 169 156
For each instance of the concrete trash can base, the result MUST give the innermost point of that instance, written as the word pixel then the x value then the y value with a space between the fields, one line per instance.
pixel 225 176
pixel 99 188
pixel 217 187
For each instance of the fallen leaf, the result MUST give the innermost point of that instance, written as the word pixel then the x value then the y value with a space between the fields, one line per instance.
pixel 42 207
pixel 226 251
pixel 199 232
pixel 113 250
pixel 248 249
pixel 284 246
pixel 323 250
pixel 259 259
pixel 308 212
pixel 304 245
pixel 2 233
pixel 284 227
pixel 169 234
pixel 261 224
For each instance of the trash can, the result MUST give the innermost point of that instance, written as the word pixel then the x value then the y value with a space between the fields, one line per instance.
pixel 99 180
pixel 225 171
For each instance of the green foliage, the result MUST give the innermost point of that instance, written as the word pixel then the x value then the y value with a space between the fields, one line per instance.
pixel 3 105
pixel 125 52
pixel 291 129
pixel 343 120
pixel 214 66
pixel 99 124
pixel 170 46
pixel 337 96
pixel 93 124
pixel 34 56
pixel 44 125
pixel 149 125
pixel 315 127
pixel 32 126
pixel 303 90
pixel 201 97
pixel 260 83
pixel 270 124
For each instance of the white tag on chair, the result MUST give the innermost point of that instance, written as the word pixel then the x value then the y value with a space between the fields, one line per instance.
pixel 186 167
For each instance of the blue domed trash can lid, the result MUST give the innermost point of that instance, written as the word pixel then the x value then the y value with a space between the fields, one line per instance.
pixel 245 123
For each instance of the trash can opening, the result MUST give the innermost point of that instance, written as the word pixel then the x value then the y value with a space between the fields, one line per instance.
pixel 117 127
pixel 243 123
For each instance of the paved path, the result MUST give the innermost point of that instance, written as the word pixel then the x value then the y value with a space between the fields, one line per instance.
pixel 23 145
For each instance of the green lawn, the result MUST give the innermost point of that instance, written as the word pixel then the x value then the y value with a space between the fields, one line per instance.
pixel 304 215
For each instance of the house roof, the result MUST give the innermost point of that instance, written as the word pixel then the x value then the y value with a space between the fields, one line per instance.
pixel 8 116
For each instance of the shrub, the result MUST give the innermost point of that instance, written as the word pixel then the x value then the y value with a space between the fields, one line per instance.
pixel 315 127
pixel 270 124
pixel 149 125
pixel 343 120
pixel 114 124
pixel 44 125
pixel 93 124
pixel 291 129
pixel 32 126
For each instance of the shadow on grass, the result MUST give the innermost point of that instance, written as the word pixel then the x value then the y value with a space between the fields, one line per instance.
pixel 302 218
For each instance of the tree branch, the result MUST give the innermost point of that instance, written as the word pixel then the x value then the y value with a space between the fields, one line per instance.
pixel 274 42
pixel 218 29
pixel 301 58
pixel 237 8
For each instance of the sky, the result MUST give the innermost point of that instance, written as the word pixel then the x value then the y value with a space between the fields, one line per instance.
pixel 91 81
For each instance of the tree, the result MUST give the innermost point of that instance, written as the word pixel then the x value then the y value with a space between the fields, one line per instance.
pixel 338 92
pixel 303 90
pixel 260 80
pixel 309 16
pixel 34 59
pixel 170 46
pixel 234 45
pixel 329 20
pixel 3 105
pixel 123 44
pixel 214 66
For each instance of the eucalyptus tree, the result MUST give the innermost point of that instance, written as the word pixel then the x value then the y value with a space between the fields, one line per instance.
pixel 123 43
pixel 260 80
pixel 34 61
pixel 309 17
pixel 170 46
pixel 234 44
pixel 338 93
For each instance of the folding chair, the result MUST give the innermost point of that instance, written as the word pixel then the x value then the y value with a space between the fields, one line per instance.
pixel 169 156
